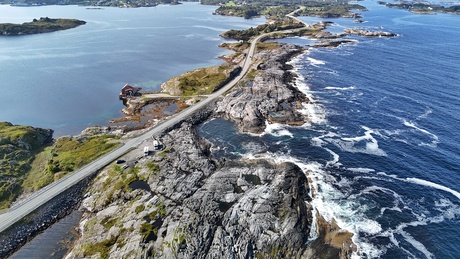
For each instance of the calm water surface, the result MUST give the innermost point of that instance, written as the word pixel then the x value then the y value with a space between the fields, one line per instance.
pixel 68 80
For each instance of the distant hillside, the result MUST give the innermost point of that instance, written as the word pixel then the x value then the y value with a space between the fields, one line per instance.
pixel 114 3
pixel 39 26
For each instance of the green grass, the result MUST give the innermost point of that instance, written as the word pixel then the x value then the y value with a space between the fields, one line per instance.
pixel 65 156
pixel 102 248
pixel 164 152
pixel 153 167
pixel 266 46
pixel 109 222
pixel 252 74
pixel 69 154
pixel 139 209
pixel 18 147
pixel 201 81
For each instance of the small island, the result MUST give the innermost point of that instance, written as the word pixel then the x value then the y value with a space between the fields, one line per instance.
pixel 423 8
pixel 42 25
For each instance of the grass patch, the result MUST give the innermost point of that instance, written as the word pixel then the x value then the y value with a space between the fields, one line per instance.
pixel 66 155
pixel 109 222
pixel 19 145
pixel 102 248
pixel 266 46
pixel 117 183
pixel 164 152
pixel 153 167
pixel 139 209
pixel 201 81
pixel 252 74
pixel 39 26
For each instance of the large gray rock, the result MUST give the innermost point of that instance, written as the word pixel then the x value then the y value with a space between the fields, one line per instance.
pixel 198 207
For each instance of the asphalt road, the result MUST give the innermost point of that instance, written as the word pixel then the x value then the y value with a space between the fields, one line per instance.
pixel 28 205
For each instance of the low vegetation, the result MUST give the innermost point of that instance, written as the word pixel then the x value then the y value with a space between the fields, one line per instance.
pixel 266 46
pixel 279 25
pixel 419 7
pixel 278 10
pixel 18 147
pixel 30 160
pixel 111 3
pixel 198 82
pixel 100 248
pixel 66 155
pixel 330 9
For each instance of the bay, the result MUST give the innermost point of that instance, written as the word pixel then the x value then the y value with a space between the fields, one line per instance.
pixel 69 80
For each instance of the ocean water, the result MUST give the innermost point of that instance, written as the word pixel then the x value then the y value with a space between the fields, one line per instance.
pixel 383 146
pixel 69 80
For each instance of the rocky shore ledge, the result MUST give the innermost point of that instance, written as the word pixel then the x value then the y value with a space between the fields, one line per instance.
pixel 181 202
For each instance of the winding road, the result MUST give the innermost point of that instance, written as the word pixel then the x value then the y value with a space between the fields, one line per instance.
pixel 40 197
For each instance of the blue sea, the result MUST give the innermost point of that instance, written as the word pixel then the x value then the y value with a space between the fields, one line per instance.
pixel 383 145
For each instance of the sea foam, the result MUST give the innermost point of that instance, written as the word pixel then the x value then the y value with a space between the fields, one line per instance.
pixel 277 129
pixel 433 185
pixel 371 144
pixel 435 139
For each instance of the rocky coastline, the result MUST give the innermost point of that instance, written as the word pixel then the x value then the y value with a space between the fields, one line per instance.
pixel 270 97
pixel 181 202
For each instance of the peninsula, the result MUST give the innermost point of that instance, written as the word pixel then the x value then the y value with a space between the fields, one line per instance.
pixel 180 200
pixel 41 25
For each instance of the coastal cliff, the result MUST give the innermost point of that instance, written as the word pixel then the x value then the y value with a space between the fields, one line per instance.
pixel 181 202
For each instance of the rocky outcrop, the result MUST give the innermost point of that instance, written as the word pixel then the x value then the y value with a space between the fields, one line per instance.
pixel 332 43
pixel 180 202
pixel 191 206
pixel 367 33
pixel 270 96
pixel 331 241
